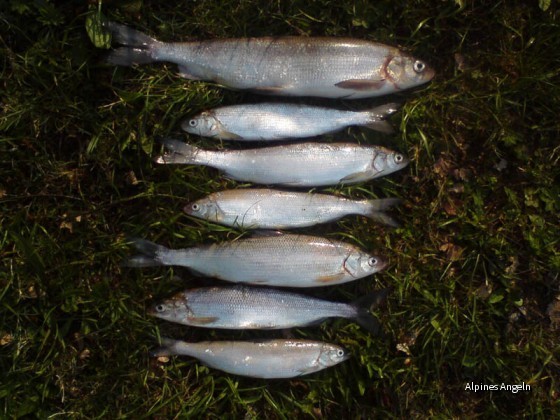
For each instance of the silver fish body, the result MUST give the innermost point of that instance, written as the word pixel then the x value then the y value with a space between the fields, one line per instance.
pixel 294 66
pixel 263 208
pixel 259 359
pixel 298 165
pixel 245 307
pixel 284 260
pixel 279 121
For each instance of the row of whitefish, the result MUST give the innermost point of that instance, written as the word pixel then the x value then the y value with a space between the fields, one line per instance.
pixel 269 260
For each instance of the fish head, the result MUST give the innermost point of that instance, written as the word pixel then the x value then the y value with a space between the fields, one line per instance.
pixel 405 71
pixel 173 309
pixel 205 208
pixel 387 161
pixel 332 355
pixel 204 124
pixel 360 264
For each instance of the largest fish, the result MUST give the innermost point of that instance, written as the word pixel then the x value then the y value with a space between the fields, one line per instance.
pixel 291 66
pixel 271 259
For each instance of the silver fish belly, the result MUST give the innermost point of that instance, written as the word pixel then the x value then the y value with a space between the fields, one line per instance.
pixel 259 359
pixel 245 307
pixel 279 121
pixel 284 260
pixel 262 208
pixel 295 66
pixel 301 164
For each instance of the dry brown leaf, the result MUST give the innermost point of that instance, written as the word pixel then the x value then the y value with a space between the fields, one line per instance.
pixel 452 251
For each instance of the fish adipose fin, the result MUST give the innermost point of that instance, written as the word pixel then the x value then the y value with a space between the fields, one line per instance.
pixel 137 46
pixel 361 84
pixel 151 254
pixel 181 153
pixel 363 307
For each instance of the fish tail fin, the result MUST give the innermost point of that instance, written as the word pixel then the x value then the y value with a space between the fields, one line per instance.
pixel 137 47
pixel 169 347
pixel 363 307
pixel 151 254
pixel 181 153
pixel 378 115
pixel 375 210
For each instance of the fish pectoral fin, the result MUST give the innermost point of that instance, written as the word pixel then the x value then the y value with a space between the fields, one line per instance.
pixel 307 370
pixel 201 320
pixel 355 177
pixel 227 135
pixel 330 278
pixel 361 84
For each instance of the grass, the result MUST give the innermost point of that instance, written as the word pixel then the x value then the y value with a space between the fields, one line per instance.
pixel 474 266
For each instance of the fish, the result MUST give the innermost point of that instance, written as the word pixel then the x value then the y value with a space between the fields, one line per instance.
pixel 296 165
pixel 264 208
pixel 289 66
pixel 267 258
pixel 268 359
pixel 280 121
pixel 242 307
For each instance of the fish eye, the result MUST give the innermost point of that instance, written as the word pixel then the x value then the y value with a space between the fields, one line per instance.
pixel 340 353
pixel 160 308
pixel 193 123
pixel 372 262
pixel 399 158
pixel 195 207
pixel 418 66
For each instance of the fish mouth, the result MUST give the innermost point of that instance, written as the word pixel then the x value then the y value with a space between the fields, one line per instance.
pixel 429 73
pixel 383 263
pixel 185 126
pixel 187 209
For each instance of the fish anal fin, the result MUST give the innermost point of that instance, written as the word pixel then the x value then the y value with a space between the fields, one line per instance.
pixel 361 84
